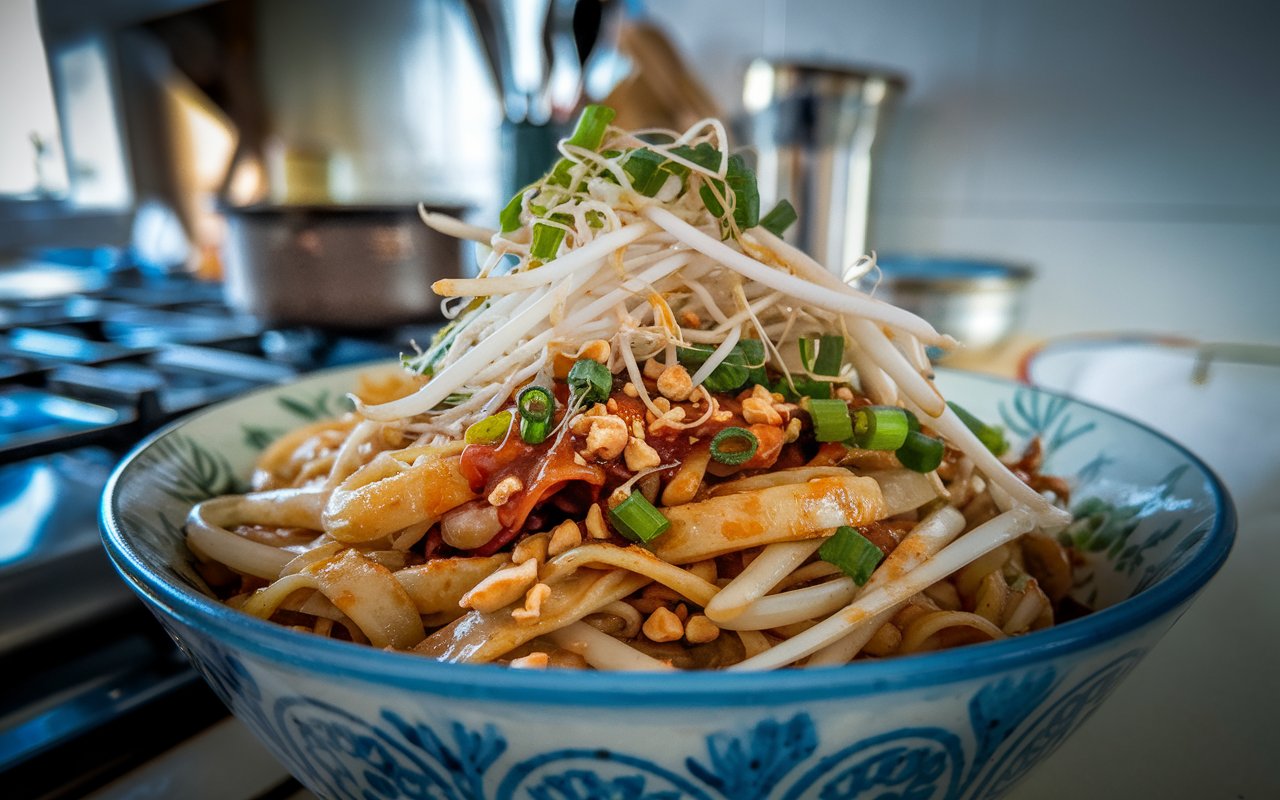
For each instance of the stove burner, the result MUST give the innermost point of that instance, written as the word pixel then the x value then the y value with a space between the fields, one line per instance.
pixel 82 378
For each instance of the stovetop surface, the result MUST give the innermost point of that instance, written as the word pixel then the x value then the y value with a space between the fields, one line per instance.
pixel 83 377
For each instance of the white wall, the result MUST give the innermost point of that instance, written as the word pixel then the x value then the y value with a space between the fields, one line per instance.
pixel 1130 151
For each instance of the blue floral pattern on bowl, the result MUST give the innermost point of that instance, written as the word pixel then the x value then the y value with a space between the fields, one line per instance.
pixel 354 722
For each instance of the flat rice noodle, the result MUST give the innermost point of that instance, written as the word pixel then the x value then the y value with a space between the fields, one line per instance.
pixel 385 496
pixel 480 637
pixel 362 589
pixel 787 513
pixel 436 586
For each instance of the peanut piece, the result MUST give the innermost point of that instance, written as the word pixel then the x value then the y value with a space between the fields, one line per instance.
pixel 505 488
pixel 700 630
pixel 663 626
pixel 675 384
pixel 564 537
pixel 502 588
pixel 640 456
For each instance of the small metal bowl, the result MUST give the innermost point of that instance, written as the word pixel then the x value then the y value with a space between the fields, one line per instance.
pixel 979 302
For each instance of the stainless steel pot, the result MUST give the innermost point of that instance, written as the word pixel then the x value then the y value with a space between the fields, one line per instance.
pixel 336 266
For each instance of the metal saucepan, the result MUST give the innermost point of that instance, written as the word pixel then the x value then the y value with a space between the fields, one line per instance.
pixel 336 266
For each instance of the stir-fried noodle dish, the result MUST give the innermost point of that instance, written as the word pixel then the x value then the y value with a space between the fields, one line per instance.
pixel 653 436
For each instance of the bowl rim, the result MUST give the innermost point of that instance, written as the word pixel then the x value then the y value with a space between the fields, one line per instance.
pixel 575 688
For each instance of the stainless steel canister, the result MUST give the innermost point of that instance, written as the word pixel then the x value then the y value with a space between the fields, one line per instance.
pixel 814 128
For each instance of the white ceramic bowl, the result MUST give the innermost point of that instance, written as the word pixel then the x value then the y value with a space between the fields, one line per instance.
pixel 353 721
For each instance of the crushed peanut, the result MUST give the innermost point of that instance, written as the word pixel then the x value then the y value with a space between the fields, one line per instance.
pixel 505 488
pixel 531 547
pixel 535 660
pixel 681 612
pixel 662 404
pixel 637 429
pixel 700 630
pixel 595 522
pixel 653 368
pixel 630 390
pixel 675 384
pixel 612 406
pixel 502 588
pixel 564 537
pixel 533 601
pixel 760 412
pixel 663 626
pixel 761 392
pixel 792 431
pixel 579 460
pixel 640 455
pixel 596 350
pixel 608 437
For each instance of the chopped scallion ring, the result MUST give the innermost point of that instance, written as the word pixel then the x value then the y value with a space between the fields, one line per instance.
pixel 734 446
pixel 490 430
pixel 548 238
pixel 920 453
pixel 989 435
pixel 636 519
pixel 880 427
pixel 592 124
pixel 831 422
pixel 852 552
pixel 534 431
pixel 782 216
pixel 536 403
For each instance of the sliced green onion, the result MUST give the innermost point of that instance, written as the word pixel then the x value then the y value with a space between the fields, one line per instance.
pixel 828 358
pixel 590 380
pixel 534 431
pixel 536 402
pixel 831 422
pixel 490 430
pixel 989 435
pixel 804 387
pixel 636 519
pixel 592 124
pixel 880 427
pixel 782 216
pixel 920 453
pixel 547 238
pixel 510 216
pixel 852 552
pixel 734 446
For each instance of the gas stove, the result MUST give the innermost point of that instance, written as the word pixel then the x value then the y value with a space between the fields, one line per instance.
pixel 91 681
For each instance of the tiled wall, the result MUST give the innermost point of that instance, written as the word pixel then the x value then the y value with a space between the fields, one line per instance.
pixel 1130 151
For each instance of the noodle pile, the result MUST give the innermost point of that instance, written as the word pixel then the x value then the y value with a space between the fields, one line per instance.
pixel 654 436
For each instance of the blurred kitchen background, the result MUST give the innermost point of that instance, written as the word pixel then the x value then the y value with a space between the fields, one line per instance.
pixel 200 197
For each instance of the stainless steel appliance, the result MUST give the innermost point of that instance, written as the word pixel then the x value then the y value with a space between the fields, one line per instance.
pixel 814 128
